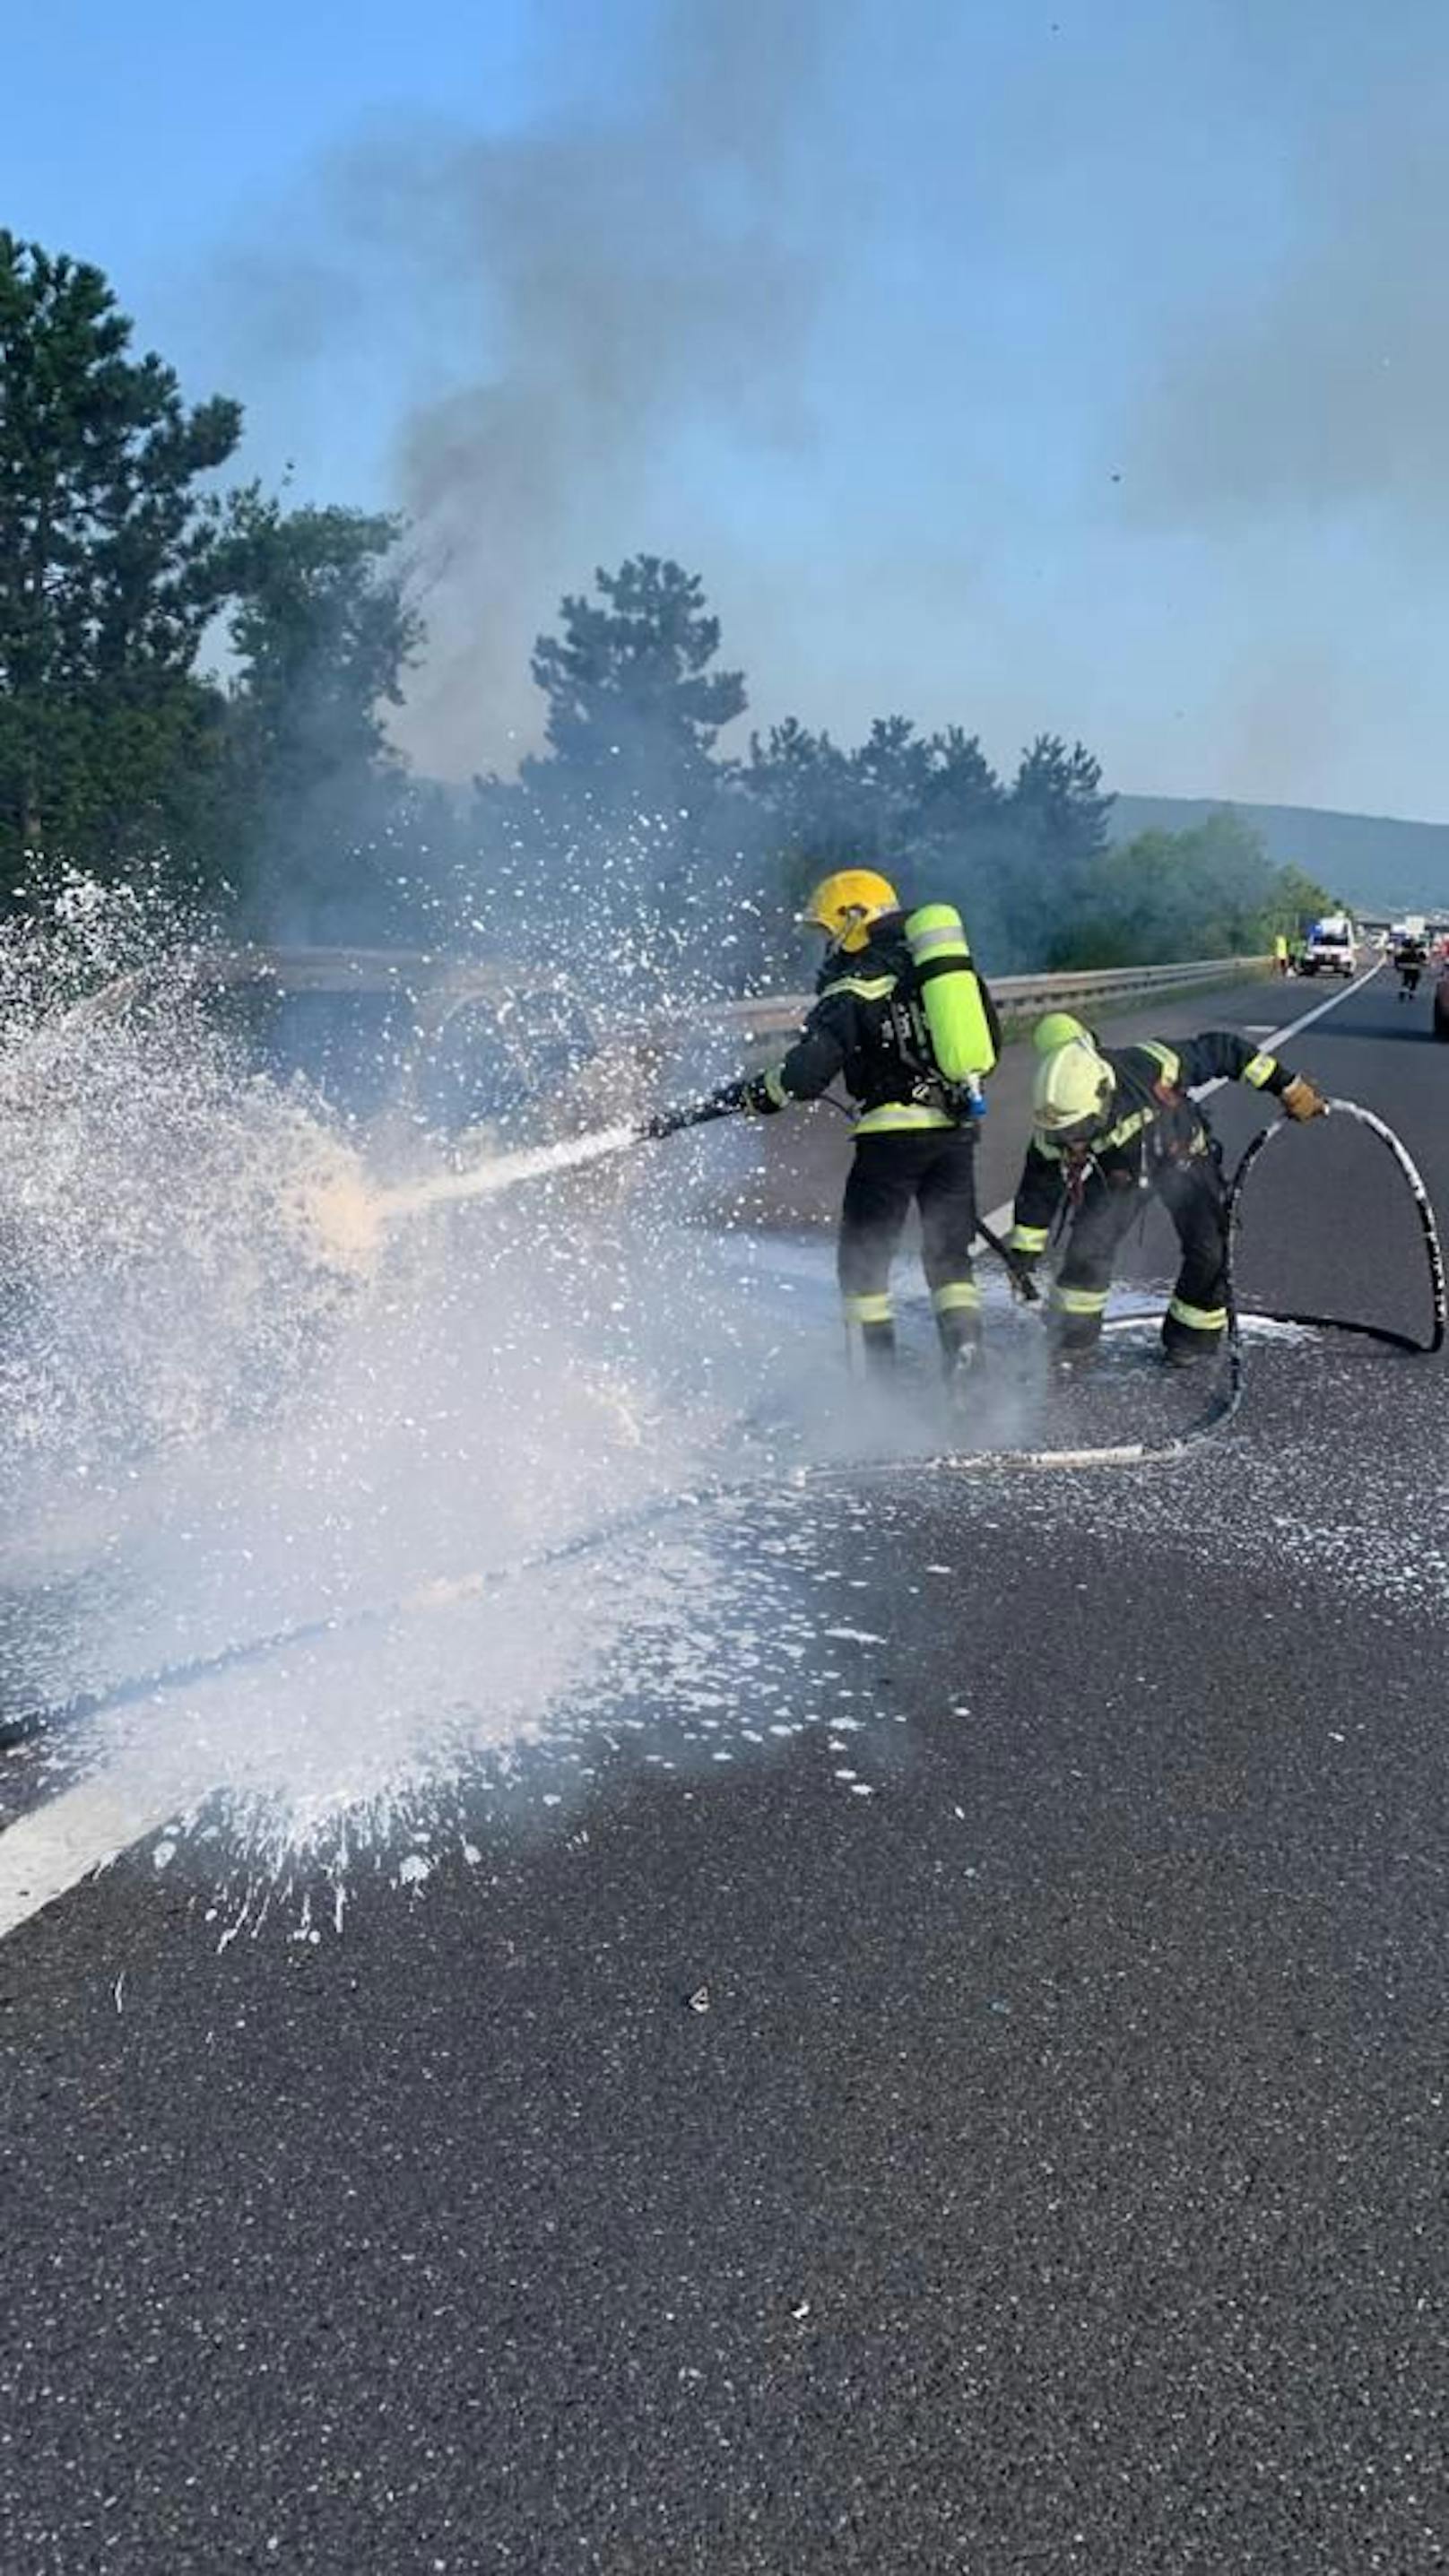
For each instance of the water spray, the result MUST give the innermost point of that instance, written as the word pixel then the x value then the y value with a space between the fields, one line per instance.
pixel 347 1217
pixel 533 1163
pixel 511 1170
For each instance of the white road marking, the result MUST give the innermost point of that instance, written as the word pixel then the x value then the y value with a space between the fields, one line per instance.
pixel 75 1835
pixel 72 1837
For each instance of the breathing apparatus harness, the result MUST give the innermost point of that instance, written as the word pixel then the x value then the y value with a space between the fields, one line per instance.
pixel 935 1025
pixel 1175 1141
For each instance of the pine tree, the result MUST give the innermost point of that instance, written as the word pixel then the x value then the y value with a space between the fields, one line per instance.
pixel 111 565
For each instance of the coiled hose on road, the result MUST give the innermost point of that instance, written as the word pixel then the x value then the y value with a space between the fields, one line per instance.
pixel 1428 1224
pixel 1225 1404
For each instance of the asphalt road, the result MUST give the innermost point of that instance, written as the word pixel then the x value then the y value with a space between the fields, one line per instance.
pixel 1055 2178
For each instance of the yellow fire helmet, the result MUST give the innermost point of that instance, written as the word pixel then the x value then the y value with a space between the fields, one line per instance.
pixel 1073 1089
pixel 845 905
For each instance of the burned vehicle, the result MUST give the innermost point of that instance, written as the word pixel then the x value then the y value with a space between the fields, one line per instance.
pixel 403 1042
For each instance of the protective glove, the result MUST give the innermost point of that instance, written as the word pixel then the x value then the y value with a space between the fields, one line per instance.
pixel 749 1091
pixel 1301 1099
pixel 759 1097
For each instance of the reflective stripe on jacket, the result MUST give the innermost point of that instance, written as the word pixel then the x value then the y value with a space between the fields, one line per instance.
pixel 1152 1120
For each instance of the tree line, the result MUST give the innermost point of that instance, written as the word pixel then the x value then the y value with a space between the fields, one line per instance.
pixel 195 681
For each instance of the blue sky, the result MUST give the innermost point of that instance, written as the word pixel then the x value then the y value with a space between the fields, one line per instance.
pixel 1060 366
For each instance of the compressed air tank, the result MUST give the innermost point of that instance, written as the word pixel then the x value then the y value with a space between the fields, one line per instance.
pixel 950 991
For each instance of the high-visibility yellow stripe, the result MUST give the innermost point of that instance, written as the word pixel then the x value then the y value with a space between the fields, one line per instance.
pixel 1030 1238
pixel 1121 1134
pixel 774 1086
pixel 1079 1301
pixel 958 1297
pixel 867 988
pixel 1199 1319
pixel 1261 1070
pixel 1125 1130
pixel 1170 1062
pixel 898 1114
pixel 923 941
pixel 868 1310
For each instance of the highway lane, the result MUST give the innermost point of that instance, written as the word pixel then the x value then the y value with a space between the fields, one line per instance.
pixel 1054 2180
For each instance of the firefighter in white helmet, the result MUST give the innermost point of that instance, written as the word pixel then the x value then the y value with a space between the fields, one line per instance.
pixel 1112 1124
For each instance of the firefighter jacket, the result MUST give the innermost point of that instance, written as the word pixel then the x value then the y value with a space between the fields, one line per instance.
pixel 1151 1125
pixel 868 1028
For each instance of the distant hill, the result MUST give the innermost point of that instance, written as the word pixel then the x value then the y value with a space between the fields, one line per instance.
pixel 1374 862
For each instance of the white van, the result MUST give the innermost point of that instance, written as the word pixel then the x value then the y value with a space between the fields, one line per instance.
pixel 1330 947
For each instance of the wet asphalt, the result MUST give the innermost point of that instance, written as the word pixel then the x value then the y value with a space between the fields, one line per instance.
pixel 1055 2177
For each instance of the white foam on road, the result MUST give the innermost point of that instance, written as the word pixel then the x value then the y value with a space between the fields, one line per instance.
pixel 161 1770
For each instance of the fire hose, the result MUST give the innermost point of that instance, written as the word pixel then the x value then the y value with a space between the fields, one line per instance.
pixel 1135 1453
pixel 1229 1396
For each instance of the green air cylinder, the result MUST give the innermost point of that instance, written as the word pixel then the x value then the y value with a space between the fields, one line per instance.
pixel 950 993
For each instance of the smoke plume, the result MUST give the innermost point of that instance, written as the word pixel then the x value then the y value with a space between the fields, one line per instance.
pixel 601 282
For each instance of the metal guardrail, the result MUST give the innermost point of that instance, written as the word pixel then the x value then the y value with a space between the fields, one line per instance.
pixel 437 986
pixel 774 1012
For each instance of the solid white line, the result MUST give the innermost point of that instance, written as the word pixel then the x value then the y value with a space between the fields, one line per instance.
pixel 999 1218
pixel 1276 1037
pixel 70 1838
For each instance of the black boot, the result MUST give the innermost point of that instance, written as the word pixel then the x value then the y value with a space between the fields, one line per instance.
pixel 1184 1346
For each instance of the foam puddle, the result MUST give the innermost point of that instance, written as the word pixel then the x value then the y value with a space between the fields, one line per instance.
pixel 245 1387
pixel 710 1638
pixel 360 1753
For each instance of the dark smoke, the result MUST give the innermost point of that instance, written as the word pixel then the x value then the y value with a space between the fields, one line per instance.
pixel 603 283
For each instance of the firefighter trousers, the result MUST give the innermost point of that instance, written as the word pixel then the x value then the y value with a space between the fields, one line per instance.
pixel 1193 1193
pixel 934 1169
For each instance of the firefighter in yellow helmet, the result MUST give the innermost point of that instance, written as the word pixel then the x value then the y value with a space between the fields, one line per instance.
pixel 1111 1124
pixel 876 1027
